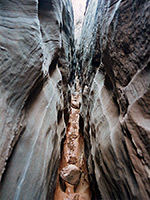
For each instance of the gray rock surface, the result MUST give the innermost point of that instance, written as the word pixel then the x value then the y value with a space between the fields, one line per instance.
pixel 36 49
pixel 36 71
pixel 115 114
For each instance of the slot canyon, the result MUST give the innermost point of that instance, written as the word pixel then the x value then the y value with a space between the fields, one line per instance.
pixel 75 100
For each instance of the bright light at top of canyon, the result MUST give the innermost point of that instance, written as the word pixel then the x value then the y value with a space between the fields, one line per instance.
pixel 79 9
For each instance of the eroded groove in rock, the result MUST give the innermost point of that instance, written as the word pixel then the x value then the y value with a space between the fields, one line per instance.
pixel 36 55
pixel 114 107
pixel 72 175
pixel 109 143
pixel 18 49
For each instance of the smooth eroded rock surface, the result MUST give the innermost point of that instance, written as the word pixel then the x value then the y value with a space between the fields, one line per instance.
pixel 115 76
pixel 105 142
pixel 36 51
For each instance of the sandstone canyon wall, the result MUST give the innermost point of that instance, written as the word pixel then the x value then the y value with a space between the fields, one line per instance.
pixel 37 72
pixel 36 48
pixel 114 63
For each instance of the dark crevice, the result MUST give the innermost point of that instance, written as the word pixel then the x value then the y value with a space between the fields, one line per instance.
pixel 45 6
pixel 116 103
pixel 108 63
pixel 52 178
pixel 67 100
pixel 81 125
pixel 35 91
pixel 59 116
pixel 62 184
pixel 66 116
pixel 96 58
pixel 62 144
pixel 52 170
pixel 53 64
pixel 96 195
pixel 108 83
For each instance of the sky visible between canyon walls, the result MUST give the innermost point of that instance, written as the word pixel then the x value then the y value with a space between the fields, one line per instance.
pixel 79 9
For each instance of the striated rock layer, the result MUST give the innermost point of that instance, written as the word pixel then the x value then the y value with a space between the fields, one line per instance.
pixel 36 73
pixel 36 53
pixel 114 65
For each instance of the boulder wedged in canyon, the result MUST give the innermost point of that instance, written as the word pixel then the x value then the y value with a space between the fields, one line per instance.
pixel 72 176
pixel 36 55
pixel 114 67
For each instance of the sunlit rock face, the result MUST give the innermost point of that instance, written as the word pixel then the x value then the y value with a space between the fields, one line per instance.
pixel 36 48
pixel 115 76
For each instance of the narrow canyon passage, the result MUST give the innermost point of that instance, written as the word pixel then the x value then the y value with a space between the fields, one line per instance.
pixel 72 177
pixel 59 141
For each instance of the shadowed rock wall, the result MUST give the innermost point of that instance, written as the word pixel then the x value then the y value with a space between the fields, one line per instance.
pixel 36 51
pixel 36 71
pixel 114 64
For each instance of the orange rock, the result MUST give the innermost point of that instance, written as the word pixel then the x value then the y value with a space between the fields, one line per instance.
pixel 72 176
